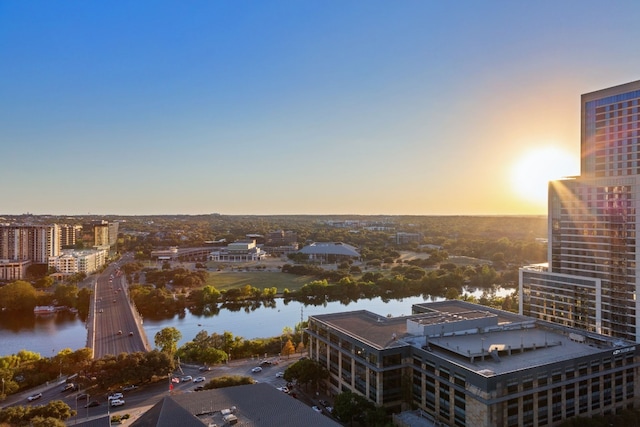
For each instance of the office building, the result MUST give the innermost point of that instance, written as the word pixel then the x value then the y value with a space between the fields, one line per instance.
pixel 591 278
pixel 462 364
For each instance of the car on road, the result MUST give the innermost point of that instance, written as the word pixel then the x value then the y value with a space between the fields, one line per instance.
pixel 117 402
pixel 34 397
pixel 256 369
pixel 92 404
pixel 116 396
pixel 284 389
pixel 129 387
pixel 69 387
pixel 82 396
pixel 280 375
pixel 130 334
pixel 318 410
pixel 204 368
pixel 119 332
pixel 199 388
pixel 186 378
pixel 199 379
pixel 265 363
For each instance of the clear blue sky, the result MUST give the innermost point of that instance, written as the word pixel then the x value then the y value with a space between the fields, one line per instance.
pixel 297 107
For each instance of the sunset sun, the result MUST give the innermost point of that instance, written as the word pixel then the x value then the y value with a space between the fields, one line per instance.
pixel 532 172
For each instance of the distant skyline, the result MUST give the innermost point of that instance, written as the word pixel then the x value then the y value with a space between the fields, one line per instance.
pixel 299 107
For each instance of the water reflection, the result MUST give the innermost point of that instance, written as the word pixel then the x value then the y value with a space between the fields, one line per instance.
pixel 47 334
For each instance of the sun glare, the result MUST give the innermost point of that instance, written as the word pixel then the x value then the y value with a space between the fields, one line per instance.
pixel 533 171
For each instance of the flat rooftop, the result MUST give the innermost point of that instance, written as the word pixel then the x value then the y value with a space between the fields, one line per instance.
pixel 511 343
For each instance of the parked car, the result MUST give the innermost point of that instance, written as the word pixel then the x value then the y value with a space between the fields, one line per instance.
pixel 117 402
pixel 92 404
pixel 199 379
pixel 256 369
pixel 34 397
pixel 186 378
pixel 318 410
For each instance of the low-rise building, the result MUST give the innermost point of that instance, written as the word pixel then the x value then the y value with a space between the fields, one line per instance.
pixel 240 251
pixel 256 405
pixel 72 262
pixel 13 270
pixel 330 251
pixel 469 365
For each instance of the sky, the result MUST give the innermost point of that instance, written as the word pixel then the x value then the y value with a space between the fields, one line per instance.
pixel 299 107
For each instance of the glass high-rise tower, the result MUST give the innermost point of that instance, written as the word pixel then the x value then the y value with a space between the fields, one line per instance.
pixel 591 279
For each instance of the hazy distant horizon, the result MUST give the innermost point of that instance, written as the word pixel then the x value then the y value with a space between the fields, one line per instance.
pixel 284 214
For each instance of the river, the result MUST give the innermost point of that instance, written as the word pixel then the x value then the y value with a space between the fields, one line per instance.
pixel 48 335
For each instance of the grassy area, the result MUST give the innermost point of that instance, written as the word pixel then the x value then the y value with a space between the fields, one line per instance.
pixel 222 280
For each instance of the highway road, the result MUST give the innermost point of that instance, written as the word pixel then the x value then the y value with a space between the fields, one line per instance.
pixel 115 326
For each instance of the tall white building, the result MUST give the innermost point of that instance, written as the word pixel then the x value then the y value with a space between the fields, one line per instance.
pixel 591 279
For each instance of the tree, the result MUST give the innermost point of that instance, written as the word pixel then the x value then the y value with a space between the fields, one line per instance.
pixel 167 340
pixel 44 282
pixel 348 405
pixel 305 372
pixel 288 349
pixel 18 296
pixel 66 294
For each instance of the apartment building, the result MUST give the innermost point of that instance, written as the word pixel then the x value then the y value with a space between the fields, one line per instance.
pixel 85 261
pixel 35 243
pixel 462 364
pixel 591 278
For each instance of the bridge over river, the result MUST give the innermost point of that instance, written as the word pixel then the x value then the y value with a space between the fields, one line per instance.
pixel 114 324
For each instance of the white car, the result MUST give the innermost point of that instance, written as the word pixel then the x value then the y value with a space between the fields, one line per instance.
pixel 283 389
pixel 280 375
pixel 256 369
pixel 117 402
pixel 318 410
pixel 34 397
pixel 186 378
pixel 115 396
pixel 199 379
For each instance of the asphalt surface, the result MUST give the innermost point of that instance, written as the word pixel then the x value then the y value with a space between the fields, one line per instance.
pixel 115 326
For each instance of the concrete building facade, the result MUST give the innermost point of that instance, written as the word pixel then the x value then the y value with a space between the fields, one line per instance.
pixel 35 243
pixel 72 262
pixel 468 365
